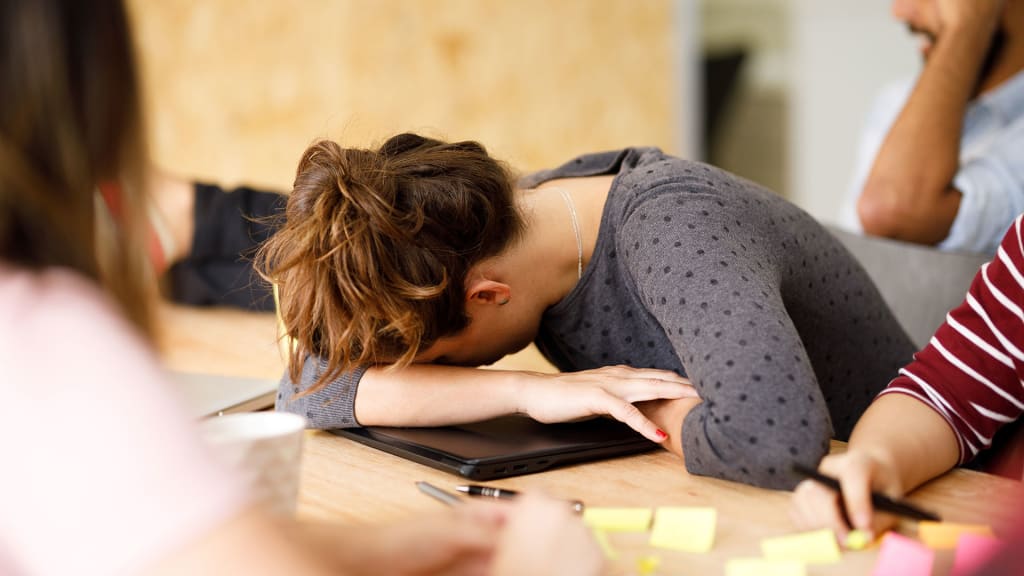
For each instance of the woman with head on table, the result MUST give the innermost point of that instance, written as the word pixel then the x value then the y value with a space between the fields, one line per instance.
pixel 701 309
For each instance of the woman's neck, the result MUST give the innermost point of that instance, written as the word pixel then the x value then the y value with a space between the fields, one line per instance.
pixel 547 258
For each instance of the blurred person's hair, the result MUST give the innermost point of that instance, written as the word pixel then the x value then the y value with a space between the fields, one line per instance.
pixel 70 118
pixel 373 255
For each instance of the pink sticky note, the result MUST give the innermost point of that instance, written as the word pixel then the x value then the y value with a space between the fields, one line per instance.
pixel 901 556
pixel 972 552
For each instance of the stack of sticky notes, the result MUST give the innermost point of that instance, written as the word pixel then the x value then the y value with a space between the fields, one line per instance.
pixel 904 556
pixel 816 547
pixel 692 529
pixel 945 535
pixel 685 529
pixel 677 528
pixel 674 528
pixel 788 555
pixel 618 519
pixel 973 552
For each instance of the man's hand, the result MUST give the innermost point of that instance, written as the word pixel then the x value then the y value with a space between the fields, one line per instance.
pixel 975 14
pixel 611 391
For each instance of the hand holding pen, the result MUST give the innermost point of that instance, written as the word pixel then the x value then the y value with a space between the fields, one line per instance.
pixel 878 500
pixel 843 498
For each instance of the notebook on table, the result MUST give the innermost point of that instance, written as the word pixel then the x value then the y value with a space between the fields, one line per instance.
pixel 503 447
pixel 210 394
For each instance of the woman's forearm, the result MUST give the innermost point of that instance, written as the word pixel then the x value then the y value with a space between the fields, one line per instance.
pixel 909 437
pixel 433 395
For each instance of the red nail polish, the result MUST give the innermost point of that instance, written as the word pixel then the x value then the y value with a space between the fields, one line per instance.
pixel 661 433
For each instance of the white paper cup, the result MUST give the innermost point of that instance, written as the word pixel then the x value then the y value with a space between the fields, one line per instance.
pixel 265 448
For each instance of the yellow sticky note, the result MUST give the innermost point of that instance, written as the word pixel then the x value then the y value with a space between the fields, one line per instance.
pixel 946 534
pixel 618 519
pixel 857 540
pixel 647 565
pixel 686 529
pixel 606 546
pixel 762 567
pixel 817 547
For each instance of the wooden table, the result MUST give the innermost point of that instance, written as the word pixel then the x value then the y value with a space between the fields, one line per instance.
pixel 343 481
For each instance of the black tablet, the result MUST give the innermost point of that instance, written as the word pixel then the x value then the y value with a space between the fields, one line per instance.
pixel 507 446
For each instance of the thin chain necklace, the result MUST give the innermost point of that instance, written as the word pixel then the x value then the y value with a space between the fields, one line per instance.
pixel 576 230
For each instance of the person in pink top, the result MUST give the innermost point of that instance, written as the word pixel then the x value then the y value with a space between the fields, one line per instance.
pixel 961 396
pixel 103 469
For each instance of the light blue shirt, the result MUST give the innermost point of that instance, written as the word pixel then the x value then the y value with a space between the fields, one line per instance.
pixel 991 175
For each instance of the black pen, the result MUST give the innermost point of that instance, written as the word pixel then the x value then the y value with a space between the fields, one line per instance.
pixel 504 494
pixel 879 501
pixel 438 494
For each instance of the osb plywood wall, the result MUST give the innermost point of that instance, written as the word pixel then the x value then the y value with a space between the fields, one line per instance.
pixel 236 89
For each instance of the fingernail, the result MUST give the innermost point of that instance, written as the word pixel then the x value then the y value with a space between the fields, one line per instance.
pixel 661 433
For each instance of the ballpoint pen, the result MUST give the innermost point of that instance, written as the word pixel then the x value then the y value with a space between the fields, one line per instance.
pixel 438 494
pixel 879 501
pixel 504 494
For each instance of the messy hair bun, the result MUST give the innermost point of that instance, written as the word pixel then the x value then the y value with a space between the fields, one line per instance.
pixel 371 260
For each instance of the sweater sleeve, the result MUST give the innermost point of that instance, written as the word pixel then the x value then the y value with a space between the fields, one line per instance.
pixel 711 285
pixel 971 371
pixel 333 406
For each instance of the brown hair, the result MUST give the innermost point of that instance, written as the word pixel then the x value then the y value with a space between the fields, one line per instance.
pixel 70 119
pixel 372 257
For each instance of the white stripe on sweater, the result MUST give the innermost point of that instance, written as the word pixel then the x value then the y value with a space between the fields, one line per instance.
pixel 1006 302
pixel 992 415
pixel 979 342
pixel 955 361
pixel 1005 259
pixel 1003 340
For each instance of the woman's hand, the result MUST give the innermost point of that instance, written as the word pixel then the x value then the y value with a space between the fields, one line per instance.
pixel 533 536
pixel 858 472
pixel 459 541
pixel 542 537
pixel 611 390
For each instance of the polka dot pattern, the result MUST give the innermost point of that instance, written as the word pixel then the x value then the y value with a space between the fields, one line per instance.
pixel 701 272
pixel 776 325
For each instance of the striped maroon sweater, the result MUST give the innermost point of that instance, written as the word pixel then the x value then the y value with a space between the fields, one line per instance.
pixel 972 371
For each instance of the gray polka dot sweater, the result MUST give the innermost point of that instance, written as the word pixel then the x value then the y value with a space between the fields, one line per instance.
pixel 711 276
pixel 701 272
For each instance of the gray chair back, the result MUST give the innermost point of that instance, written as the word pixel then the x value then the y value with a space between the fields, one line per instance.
pixel 919 283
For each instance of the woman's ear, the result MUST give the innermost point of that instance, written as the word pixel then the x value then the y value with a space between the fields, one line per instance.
pixel 483 291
